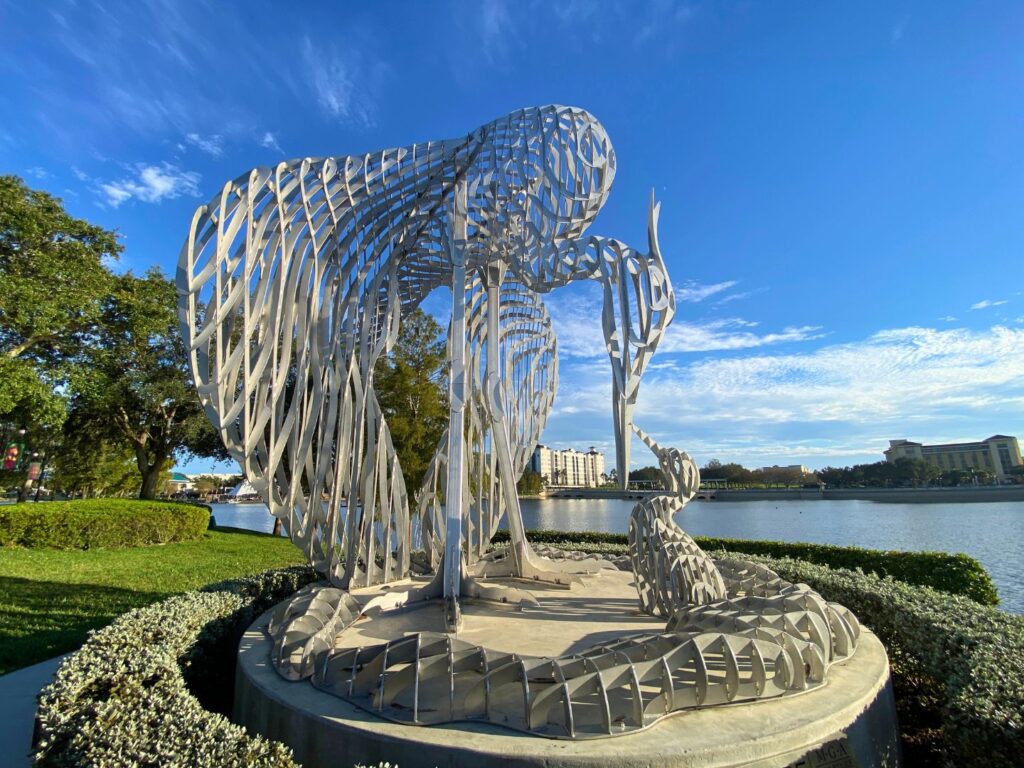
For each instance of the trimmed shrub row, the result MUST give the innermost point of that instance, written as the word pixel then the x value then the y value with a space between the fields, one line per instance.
pixel 971 655
pixel 129 696
pixel 956 574
pixel 108 523
pixel 124 698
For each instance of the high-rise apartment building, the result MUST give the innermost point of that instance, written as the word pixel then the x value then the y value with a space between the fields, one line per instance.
pixel 568 468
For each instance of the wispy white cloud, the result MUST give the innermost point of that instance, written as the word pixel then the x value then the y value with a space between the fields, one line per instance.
pixel 495 27
pixel 38 172
pixel 212 145
pixel 948 319
pixel 269 141
pixel 661 17
pixel 838 400
pixel 80 174
pixel 576 12
pixel 731 297
pixel 654 25
pixel 693 291
pixel 729 334
pixel 986 303
pixel 127 82
pixel 898 30
pixel 487 32
pixel 898 375
pixel 343 81
pixel 151 184
pixel 576 317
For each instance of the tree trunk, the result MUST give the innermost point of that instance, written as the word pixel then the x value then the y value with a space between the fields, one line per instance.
pixel 149 458
pixel 24 491
pixel 277 526
pixel 150 478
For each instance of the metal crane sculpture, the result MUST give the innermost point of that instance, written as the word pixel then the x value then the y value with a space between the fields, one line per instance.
pixel 294 280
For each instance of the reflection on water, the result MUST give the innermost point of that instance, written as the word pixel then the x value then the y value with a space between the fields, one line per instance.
pixel 252 517
pixel 993 533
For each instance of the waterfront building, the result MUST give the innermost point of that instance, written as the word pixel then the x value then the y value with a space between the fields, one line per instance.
pixel 997 454
pixel 789 467
pixel 570 468
pixel 177 483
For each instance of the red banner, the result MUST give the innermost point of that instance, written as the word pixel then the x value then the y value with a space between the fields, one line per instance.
pixel 11 457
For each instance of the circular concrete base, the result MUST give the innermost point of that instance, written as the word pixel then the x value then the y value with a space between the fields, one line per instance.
pixel 850 721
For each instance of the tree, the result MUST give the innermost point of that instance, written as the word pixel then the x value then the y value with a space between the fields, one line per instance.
pixel 833 477
pixel 646 475
pixel 207 485
pixel 956 477
pixel 33 422
pixel 983 477
pixel 91 466
pixel 52 273
pixel 530 484
pixel 735 473
pixel 924 472
pixel 411 387
pixel 52 282
pixel 134 387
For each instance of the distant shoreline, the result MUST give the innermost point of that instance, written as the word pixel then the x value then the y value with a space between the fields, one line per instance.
pixel 970 495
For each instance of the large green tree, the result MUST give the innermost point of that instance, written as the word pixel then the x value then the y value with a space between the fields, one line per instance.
pixel 732 472
pixel 133 386
pixel 93 466
pixel 411 386
pixel 646 475
pixel 53 277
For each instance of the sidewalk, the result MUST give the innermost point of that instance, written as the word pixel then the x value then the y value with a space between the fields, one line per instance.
pixel 18 710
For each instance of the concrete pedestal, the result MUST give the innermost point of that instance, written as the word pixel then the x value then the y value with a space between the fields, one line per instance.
pixel 851 721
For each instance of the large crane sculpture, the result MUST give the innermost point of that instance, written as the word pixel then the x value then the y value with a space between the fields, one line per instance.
pixel 294 280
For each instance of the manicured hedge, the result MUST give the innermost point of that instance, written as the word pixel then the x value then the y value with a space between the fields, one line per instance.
pixel 93 523
pixel 972 655
pixel 139 691
pixel 125 698
pixel 957 574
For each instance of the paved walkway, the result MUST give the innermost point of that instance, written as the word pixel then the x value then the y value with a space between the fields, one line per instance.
pixel 18 710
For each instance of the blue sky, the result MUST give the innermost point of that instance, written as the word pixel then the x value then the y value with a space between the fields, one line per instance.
pixel 842 184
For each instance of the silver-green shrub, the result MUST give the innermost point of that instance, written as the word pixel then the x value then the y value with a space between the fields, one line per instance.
pixel 975 652
pixel 122 699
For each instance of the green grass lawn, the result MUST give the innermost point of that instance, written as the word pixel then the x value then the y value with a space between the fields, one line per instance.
pixel 50 599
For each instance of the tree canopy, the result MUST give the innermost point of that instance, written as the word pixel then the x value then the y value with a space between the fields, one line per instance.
pixel 412 390
pixel 134 386
pixel 53 273
pixel 54 276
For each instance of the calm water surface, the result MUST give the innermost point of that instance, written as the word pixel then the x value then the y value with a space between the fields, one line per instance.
pixel 993 533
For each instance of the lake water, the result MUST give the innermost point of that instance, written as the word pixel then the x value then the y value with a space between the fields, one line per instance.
pixel 991 532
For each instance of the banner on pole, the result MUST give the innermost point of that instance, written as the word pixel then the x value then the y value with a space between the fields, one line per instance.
pixel 11 457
